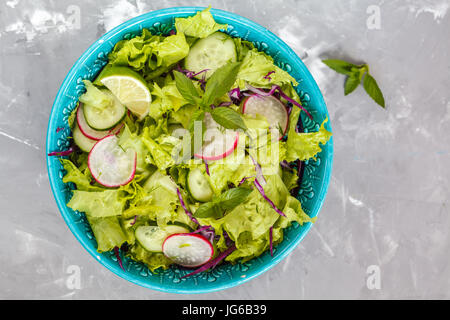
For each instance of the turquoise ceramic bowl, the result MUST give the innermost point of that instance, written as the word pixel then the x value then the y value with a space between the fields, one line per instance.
pixel 316 173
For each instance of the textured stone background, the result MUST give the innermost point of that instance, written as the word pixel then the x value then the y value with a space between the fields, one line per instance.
pixel 388 201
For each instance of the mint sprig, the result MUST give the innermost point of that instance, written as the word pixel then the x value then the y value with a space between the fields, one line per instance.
pixel 355 75
pixel 221 82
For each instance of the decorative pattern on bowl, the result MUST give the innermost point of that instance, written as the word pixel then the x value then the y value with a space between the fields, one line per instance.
pixel 311 193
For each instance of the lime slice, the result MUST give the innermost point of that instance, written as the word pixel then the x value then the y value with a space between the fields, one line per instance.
pixel 129 87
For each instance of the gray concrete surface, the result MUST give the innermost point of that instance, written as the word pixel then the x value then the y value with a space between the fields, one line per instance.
pixel 383 230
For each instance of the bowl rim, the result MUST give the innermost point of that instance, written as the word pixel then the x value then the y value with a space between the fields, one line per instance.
pixel 188 10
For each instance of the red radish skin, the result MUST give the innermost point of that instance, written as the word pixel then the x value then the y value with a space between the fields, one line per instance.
pixel 224 155
pixel 214 138
pixel 244 105
pixel 191 235
pixel 92 133
pixel 133 173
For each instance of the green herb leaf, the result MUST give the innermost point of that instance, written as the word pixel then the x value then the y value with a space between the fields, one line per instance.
pixel 233 197
pixel 198 115
pixel 226 201
pixel 228 118
pixel 351 84
pixel 373 90
pixel 187 89
pixel 208 209
pixel 220 82
pixel 340 66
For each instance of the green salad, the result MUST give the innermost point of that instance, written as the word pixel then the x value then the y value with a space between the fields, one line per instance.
pixel 186 148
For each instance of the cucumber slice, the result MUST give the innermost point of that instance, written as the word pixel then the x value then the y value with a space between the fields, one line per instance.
pixel 198 186
pixel 211 53
pixel 83 142
pixel 91 133
pixel 105 119
pixel 152 238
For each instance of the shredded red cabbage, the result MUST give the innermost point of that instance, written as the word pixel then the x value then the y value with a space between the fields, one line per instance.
pixel 62 153
pixel 275 88
pixel 59 129
pixel 207 232
pixel 259 173
pixel 212 263
pixel 236 95
pixel 172 32
pixel 200 229
pixel 191 74
pixel 134 220
pixel 267 76
pixel 225 104
pixel 244 179
pixel 285 165
pixel 261 190
pixel 271 240
pixel 189 214
pixel 206 167
pixel 119 260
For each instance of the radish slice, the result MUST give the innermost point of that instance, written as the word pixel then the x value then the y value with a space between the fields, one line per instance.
pixel 271 108
pixel 218 142
pixel 87 131
pixel 188 250
pixel 110 165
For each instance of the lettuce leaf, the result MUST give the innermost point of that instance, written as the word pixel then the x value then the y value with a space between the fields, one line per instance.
pixel 108 233
pixel 304 146
pixel 137 52
pixel 81 179
pixel 94 97
pixel 98 204
pixel 163 190
pixel 167 98
pixel 171 50
pixel 157 156
pixel 254 68
pixel 199 26
pixel 153 260
pixel 129 140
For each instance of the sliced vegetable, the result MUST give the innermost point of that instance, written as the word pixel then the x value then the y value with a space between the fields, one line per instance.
pixel 91 133
pixel 105 118
pixel 198 186
pixel 151 238
pixel 218 143
pixel 130 89
pixel 188 250
pixel 211 53
pixel 110 165
pixel 83 142
pixel 271 108
pixel 275 88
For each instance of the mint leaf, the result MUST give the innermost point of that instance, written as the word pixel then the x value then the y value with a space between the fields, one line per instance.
pixel 233 197
pixel 220 82
pixel 207 210
pixel 340 66
pixel 373 90
pixel 351 84
pixel 186 88
pixel 198 115
pixel 225 202
pixel 228 118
